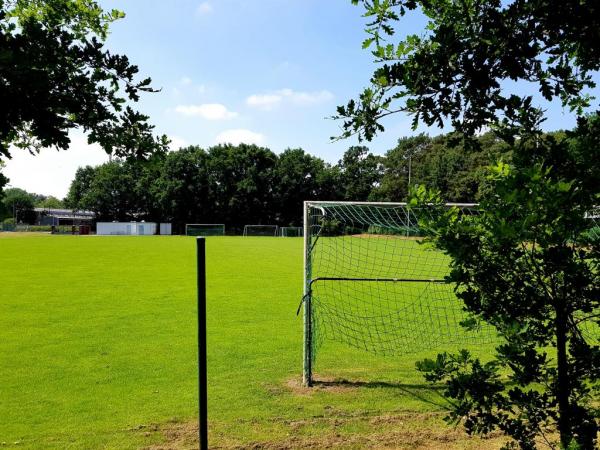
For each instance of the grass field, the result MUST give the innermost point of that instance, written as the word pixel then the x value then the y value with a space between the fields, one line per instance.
pixel 98 350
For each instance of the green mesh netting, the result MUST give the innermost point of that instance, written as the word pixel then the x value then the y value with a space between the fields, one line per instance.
pixel 291 231
pixel 261 230
pixel 373 284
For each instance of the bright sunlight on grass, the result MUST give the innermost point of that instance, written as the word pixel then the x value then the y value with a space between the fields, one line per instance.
pixel 98 350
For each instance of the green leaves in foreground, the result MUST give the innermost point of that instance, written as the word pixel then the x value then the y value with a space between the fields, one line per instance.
pixel 56 76
pixel 526 263
pixel 454 72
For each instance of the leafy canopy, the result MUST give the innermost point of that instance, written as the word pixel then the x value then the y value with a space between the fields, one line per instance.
pixel 528 262
pixel 56 76
pixel 462 68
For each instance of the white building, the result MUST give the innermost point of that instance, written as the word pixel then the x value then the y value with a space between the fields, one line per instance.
pixel 131 228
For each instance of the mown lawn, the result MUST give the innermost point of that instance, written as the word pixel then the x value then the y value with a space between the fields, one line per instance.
pixel 98 350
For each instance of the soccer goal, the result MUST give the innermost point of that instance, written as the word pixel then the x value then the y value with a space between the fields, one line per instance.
pixel 260 230
pixel 291 231
pixel 370 283
pixel 204 229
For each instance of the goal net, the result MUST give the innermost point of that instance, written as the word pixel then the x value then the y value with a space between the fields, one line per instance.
pixel 370 283
pixel 260 230
pixel 205 229
pixel 291 231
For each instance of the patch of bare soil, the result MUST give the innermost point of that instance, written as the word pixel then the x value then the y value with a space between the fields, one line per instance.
pixel 322 384
pixel 386 432
pixel 177 436
pixel 337 429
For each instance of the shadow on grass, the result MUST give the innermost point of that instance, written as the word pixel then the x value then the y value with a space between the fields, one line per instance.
pixel 420 391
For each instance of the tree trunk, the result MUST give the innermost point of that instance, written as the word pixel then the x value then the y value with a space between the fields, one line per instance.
pixel 563 388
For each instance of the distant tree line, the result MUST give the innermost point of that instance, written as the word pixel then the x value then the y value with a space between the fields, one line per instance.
pixel 18 205
pixel 244 184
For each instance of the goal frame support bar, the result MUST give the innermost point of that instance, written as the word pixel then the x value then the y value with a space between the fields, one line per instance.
pixel 202 356
pixel 307 348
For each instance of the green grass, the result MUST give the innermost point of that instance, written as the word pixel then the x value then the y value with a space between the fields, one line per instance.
pixel 98 344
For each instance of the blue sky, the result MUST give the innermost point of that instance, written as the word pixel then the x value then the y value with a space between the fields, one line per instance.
pixel 262 71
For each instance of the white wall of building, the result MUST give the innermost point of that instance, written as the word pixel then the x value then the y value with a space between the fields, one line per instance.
pixel 165 229
pixel 126 228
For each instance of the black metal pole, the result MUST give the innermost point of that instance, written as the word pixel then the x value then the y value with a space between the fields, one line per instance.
pixel 202 372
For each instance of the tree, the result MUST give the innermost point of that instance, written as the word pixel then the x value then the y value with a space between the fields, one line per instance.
pixel 18 204
pixel 395 179
pixel 298 176
pixel 112 193
pixel 524 263
pixel 454 72
pixel 49 202
pixel 182 190
pixel 57 76
pixel 3 182
pixel 360 172
pixel 240 179
pixel 79 187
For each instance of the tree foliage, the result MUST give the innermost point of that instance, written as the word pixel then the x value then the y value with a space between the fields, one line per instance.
pixel 456 71
pixel 18 204
pixel 56 76
pixel 237 185
pixel 442 162
pixel 526 262
pixel 360 173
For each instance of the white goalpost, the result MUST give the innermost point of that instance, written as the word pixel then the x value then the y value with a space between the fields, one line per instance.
pixel 291 231
pixel 205 229
pixel 371 285
pixel 260 230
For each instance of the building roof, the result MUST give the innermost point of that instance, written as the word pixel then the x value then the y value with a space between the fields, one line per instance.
pixel 66 213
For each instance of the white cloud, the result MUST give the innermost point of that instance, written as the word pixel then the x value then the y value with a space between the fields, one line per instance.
pixel 185 81
pixel 208 111
pixel 177 143
pixel 271 100
pixel 264 101
pixel 239 136
pixel 308 98
pixel 204 8
pixel 51 172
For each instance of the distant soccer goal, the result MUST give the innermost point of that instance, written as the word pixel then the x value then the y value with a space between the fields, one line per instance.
pixel 260 230
pixel 369 283
pixel 205 229
pixel 291 231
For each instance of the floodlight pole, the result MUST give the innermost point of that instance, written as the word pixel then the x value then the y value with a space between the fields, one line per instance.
pixel 307 353
pixel 202 370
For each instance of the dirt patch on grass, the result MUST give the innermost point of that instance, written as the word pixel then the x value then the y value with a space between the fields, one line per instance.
pixel 391 431
pixel 323 384
pixel 177 436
